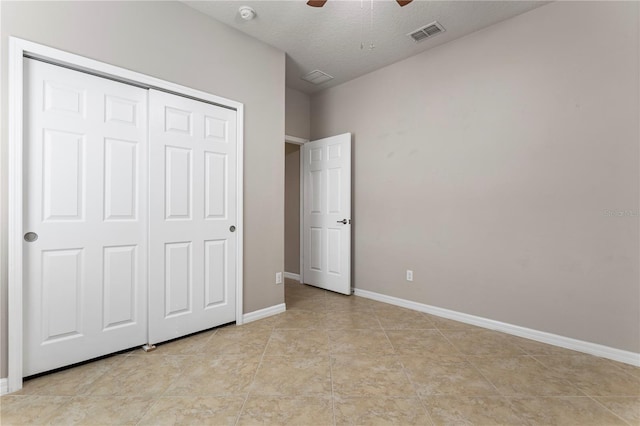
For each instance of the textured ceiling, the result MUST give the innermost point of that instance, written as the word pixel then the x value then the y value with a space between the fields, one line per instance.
pixel 329 38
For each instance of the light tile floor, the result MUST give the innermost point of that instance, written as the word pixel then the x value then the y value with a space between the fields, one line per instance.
pixel 333 359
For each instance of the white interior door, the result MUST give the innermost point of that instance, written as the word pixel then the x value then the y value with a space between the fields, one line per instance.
pixel 192 216
pixel 326 166
pixel 85 199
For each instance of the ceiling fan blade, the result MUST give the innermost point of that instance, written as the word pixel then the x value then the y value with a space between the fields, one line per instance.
pixel 316 3
pixel 403 2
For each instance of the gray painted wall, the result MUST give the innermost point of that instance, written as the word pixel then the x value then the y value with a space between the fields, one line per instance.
pixel 171 41
pixel 297 110
pixel 487 166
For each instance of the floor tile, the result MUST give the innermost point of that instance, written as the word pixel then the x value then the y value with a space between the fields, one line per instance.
pixel 191 345
pixel 293 376
pixel 316 304
pixel 578 411
pixel 447 324
pixel 218 376
pixel 237 340
pixel 358 375
pixel 137 375
pixel 523 375
pixel 627 408
pixel 339 302
pixel 471 410
pixel 351 320
pixel 380 411
pixel 298 342
pixel 72 381
pixel 446 378
pixel 194 410
pixel 368 342
pixel 482 343
pixel 267 323
pixel 101 410
pixel 29 409
pixel 632 370
pixel 403 319
pixel 592 375
pixel 297 319
pixel 531 347
pixel 303 290
pixel 337 359
pixel 269 410
pixel 423 343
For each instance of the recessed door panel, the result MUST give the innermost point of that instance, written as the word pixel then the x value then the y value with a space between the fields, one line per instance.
pixel 334 251
pixel 119 286
pixel 177 278
pixel 334 152
pixel 120 180
pixel 215 129
pixel 215 272
pixel 63 98
pixel 178 183
pixel 334 188
pixel 316 249
pixel 62 284
pixel 177 121
pixel 315 189
pixel 120 111
pixel 63 167
pixel 215 185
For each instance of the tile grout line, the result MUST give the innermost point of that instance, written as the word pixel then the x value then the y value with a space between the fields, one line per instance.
pixel 157 398
pixel 605 407
pixel 587 395
pixel 404 371
pixel 254 377
pixel 333 395
pixel 466 358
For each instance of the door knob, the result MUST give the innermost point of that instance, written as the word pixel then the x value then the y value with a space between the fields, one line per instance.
pixel 344 221
pixel 232 228
pixel 30 237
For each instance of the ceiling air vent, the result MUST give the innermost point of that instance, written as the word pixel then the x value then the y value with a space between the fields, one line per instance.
pixel 426 32
pixel 316 77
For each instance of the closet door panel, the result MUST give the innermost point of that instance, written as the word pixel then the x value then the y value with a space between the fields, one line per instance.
pixel 85 199
pixel 192 211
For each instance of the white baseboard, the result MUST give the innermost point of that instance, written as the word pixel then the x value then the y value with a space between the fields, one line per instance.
pixel 292 276
pixel 263 313
pixel 620 355
pixel 4 388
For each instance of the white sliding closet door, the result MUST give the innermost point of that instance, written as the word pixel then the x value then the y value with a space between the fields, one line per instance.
pixel 85 217
pixel 192 216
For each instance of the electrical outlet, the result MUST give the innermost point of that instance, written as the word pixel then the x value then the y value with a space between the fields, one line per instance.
pixel 409 275
pixel 278 277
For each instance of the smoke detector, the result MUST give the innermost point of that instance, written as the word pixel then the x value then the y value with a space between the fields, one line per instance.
pixel 247 13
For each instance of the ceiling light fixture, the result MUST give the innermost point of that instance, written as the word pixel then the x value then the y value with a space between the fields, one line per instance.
pixel 247 13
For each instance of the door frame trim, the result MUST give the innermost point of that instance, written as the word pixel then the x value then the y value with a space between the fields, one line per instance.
pixel 18 50
pixel 299 141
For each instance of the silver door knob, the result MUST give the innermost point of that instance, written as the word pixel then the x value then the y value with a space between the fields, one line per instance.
pixel 30 237
pixel 232 228
pixel 343 221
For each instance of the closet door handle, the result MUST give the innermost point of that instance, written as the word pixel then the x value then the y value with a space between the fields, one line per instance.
pixel 30 237
pixel 232 228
